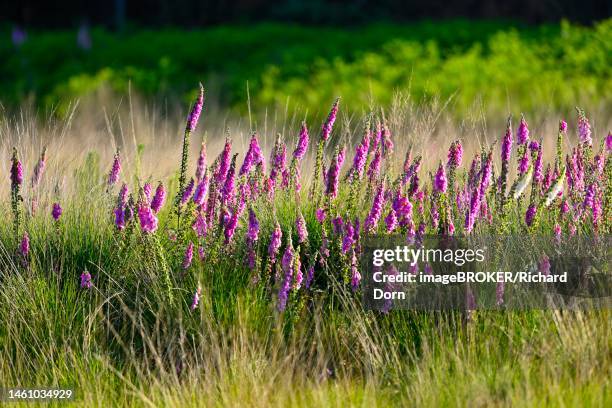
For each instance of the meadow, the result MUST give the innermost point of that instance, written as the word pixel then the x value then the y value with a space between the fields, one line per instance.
pixel 149 262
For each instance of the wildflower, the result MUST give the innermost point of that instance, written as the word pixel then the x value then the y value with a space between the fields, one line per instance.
pixel 201 254
pixel 521 184
pixel 120 218
pixel 355 275
pixel 275 242
pixel 201 163
pixel 230 227
pixel 562 126
pixel 113 176
pixel 199 225
pixel 224 163
pixel 361 153
pixel 374 169
pixel 39 169
pixel 507 144
pixel 56 212
pixel 523 163
pixel 122 198
pixel 455 154
pixel 309 276
pixel 147 190
pixel 522 133
pixel 440 181
pixel 564 207
pixel 373 217
pixel 252 157
pixel 391 221
pixel 557 231
pixel 196 110
pixel 609 142
pixel 348 238
pixel 148 220
pixel 538 177
pixel 187 192
pixel 229 188
pixel 300 227
pixel 287 267
pixel 333 177
pixel 16 171
pixel 297 269
pixel 302 144
pixel 534 145
pixel 530 214
pixel 544 265
pixel 196 298
pixel 328 125
pixel 253 229
pixel 555 189
pixel 159 198
pixel 188 257
pixel 85 280
pixel 200 192
pixel 386 139
pixel 584 129
pixel 320 215
pixel 24 246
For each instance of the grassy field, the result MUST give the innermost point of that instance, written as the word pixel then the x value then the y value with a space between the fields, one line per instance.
pixel 131 334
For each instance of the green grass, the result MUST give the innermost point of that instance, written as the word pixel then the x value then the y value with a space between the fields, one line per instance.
pixel 499 65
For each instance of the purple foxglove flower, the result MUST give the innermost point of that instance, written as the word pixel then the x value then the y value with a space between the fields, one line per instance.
pixel 455 154
pixel 599 162
pixel 120 218
pixel 374 169
pixel 440 180
pixel 199 225
pixel 122 199
pixel 299 275
pixel 187 192
pixel 589 197
pixel 530 214
pixel 333 178
pixel 85 280
pixel 220 173
pixel 147 189
pixel 522 133
pixel 507 144
pixel 309 276
pixel 113 176
pixel 324 250
pixel 196 299
pixel 199 195
pixel 320 215
pixel 328 125
pixel 196 110
pixel 538 175
pixel 16 171
pixel 348 238
pixel 487 171
pixel 534 145
pixel 287 263
pixel 523 165
pixel 377 137
pixel 278 159
pixel 302 144
pixel 564 207
pixel 371 221
pixel 56 212
pixel 355 275
pixel 253 230
pixel 148 220
pixel 201 163
pixel 253 156
pixel 557 231
pixel 230 227
pixel 472 212
pixel 584 129
pixel 275 242
pixel 361 155
pixel 544 265
pixel 337 225
pixel 609 142
pixel 159 198
pixel 188 257
pixel 562 126
pixel 24 246
pixel 39 169
pixel 391 221
pixel 300 227
pixel 229 187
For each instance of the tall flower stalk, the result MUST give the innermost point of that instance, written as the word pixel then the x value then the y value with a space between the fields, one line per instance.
pixel 326 130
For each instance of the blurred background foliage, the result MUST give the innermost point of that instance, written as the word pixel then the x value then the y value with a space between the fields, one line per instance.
pixel 503 64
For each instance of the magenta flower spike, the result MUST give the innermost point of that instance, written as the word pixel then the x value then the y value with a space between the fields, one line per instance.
pixel 371 221
pixel 328 125
pixel 355 275
pixel 188 257
pixel 522 133
pixel 201 163
pixel 375 164
pixel 391 221
pixel 507 141
pixel 148 220
pixel 455 154
pixel 253 156
pixel 253 229
pixel 333 177
pixel 440 180
pixel 530 215
pixel 147 190
pixel 187 192
pixel 113 176
pixel 24 246
pixel 56 211
pixel 159 198
pixel 275 242
pixel 85 280
pixel 199 225
pixel 584 128
pixel 523 164
pixel 120 218
pixel 199 196
pixel 287 264
pixel 302 144
pixel 39 169
pixel 609 142
pixel 196 110
pixel 300 227
pixel 196 299
pixel 224 163
pixel 16 171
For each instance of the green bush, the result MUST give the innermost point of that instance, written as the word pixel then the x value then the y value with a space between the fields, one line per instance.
pixel 555 66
